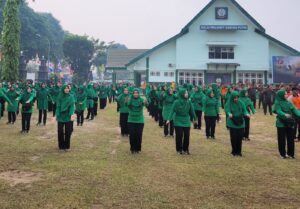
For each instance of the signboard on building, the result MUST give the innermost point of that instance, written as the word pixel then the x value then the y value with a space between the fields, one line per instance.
pixel 286 69
pixel 221 13
pixel 224 27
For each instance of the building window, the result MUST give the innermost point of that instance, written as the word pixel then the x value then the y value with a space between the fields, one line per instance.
pixel 193 78
pixel 172 74
pixel 217 52
pixel 157 73
pixel 257 78
pixel 152 73
pixel 166 74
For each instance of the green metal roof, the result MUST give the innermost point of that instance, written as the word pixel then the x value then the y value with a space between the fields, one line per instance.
pixel 294 51
pixel 157 47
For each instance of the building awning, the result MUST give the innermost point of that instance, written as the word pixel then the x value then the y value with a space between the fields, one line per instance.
pixel 221 43
pixel 224 63
pixel 218 66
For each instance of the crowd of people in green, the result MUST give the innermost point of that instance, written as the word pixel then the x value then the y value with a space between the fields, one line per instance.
pixel 176 108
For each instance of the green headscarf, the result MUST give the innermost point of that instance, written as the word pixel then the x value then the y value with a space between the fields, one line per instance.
pixel 64 99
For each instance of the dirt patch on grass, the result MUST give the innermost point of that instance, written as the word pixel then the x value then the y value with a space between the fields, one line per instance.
pixel 16 177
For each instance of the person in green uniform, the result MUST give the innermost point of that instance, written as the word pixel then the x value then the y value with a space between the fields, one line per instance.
pixel 135 106
pixel 285 124
pixel 91 94
pixel 65 117
pixel 168 101
pixel 250 108
pixel 42 96
pixel 211 111
pixel 81 98
pixel 236 111
pixel 123 109
pixel 27 101
pixel 3 98
pixel 12 107
pixel 96 90
pixel 54 92
pixel 182 113
pixel 103 94
pixel 197 100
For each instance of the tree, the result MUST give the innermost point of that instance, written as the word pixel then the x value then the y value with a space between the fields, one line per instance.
pixel 11 40
pixel 78 51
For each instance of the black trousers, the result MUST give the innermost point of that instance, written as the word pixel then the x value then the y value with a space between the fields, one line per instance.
pixel 210 123
pixel 50 106
pixel 64 131
pixel 11 117
pixel 297 129
pixel 124 123
pixel 54 109
pixel 135 136
pixel 199 118
pixel 254 102
pixel 222 103
pixel 80 117
pixel 90 113
pixel 236 139
pixel 118 107
pixel 103 103
pixel 247 127
pixel 26 117
pixel 155 112
pixel 43 114
pixel 182 138
pixel 285 136
pixel 2 108
pixel 95 108
pixel 259 102
pixel 160 118
pixel 169 128
pixel 267 106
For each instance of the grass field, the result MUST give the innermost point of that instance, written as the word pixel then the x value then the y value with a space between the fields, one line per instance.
pixel 99 171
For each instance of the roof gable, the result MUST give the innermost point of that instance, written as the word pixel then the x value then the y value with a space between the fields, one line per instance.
pixel 237 5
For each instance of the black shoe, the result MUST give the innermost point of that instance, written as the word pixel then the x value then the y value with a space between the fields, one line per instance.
pixel 187 152
pixel 22 132
pixel 283 157
pixel 291 157
pixel 207 137
pixel 38 124
pixel 213 137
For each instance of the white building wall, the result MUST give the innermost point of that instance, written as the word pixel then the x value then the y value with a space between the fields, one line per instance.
pixel 160 60
pixel 251 51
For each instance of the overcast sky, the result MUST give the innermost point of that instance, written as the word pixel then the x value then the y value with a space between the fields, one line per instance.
pixel 146 23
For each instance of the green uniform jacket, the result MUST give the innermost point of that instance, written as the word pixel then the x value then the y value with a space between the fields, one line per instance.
pixel 168 101
pixel 182 111
pixel 54 92
pixel 12 96
pixel 91 94
pixel 197 100
pixel 235 109
pixel 282 107
pixel 135 107
pixel 80 100
pixel 210 105
pixel 121 101
pixel 247 101
pixel 26 97
pixel 43 96
pixel 64 107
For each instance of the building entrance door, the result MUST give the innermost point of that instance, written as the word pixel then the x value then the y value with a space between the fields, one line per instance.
pixel 223 78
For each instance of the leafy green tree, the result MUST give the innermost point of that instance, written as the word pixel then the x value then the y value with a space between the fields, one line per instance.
pixel 11 40
pixel 79 51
